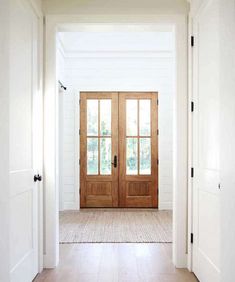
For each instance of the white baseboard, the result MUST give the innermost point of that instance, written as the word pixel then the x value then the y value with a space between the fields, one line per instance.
pixel 165 206
pixel 70 206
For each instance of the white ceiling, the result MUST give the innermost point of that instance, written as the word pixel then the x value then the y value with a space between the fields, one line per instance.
pixel 116 41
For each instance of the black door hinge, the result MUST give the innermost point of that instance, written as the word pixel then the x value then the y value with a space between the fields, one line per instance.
pixel 192 41
pixel 158 132
pixel 192 172
pixel 37 178
pixel 79 131
pixel 191 238
pixel 192 106
pixel 157 102
pixel 158 162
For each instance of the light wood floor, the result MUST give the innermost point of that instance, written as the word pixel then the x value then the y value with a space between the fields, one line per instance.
pixel 116 262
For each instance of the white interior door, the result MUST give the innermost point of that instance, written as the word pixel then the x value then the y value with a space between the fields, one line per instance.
pixel 23 189
pixel 206 193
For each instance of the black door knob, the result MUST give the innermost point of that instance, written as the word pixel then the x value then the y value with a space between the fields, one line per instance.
pixel 37 178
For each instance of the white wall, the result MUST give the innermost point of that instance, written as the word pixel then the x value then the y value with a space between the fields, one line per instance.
pixel 60 62
pixel 119 71
pixel 4 140
pixel 70 157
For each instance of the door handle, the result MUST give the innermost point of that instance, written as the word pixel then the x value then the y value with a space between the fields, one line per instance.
pixel 114 161
pixel 37 178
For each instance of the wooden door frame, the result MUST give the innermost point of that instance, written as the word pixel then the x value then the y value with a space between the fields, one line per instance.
pixel 178 25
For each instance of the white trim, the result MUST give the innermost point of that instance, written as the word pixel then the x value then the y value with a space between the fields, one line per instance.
pixel 165 205
pixel 61 155
pixel 70 206
pixel 190 141
pixel 77 150
pixel 36 8
pixel 51 242
pixel 41 186
pixel 54 23
pixel 180 149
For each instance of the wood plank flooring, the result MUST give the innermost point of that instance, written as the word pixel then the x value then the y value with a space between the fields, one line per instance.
pixel 129 262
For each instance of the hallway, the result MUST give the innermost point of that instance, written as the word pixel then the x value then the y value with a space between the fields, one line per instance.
pixel 117 104
pixel 116 262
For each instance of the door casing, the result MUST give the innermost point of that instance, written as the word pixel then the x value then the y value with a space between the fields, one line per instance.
pixel 178 25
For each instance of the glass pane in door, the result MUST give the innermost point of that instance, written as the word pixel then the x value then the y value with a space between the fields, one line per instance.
pixel 105 156
pixel 105 117
pixel 131 117
pixel 144 117
pixel 92 156
pixel 145 156
pixel 131 156
pixel 92 117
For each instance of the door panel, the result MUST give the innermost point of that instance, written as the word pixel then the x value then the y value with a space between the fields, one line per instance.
pixel 98 147
pixel 124 122
pixel 138 178
pixel 206 193
pixel 23 190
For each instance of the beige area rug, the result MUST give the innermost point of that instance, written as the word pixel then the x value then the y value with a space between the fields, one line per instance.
pixel 116 226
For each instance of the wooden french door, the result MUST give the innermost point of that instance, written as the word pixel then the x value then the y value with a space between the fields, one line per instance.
pixel 118 149
pixel 98 149
pixel 138 155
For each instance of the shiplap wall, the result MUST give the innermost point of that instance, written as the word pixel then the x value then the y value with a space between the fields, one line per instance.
pixel 68 172
pixel 117 74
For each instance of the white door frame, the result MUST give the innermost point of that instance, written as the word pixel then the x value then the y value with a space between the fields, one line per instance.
pixel 56 23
